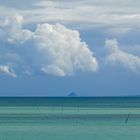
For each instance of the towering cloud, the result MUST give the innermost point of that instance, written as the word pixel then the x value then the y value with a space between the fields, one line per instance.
pixel 50 49
pixel 118 57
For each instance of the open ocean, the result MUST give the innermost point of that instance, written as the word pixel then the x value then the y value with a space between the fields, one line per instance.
pixel 42 118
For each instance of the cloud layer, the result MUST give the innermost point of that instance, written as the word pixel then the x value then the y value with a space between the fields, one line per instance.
pixel 50 49
pixel 119 58
pixel 115 15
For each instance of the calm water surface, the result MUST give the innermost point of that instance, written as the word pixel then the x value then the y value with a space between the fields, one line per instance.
pixel 70 118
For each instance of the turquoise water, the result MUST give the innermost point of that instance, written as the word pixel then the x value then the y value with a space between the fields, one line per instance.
pixel 70 118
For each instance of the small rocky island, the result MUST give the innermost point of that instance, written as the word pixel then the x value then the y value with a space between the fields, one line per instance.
pixel 72 94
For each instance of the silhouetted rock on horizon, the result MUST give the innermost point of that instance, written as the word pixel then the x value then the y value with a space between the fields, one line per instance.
pixel 72 94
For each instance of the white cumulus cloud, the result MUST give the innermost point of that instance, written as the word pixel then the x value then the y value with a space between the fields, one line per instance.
pixel 50 49
pixel 115 56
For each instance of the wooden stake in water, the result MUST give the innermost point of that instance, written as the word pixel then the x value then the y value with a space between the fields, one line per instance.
pixel 52 108
pixel 78 108
pixel 62 110
pixel 127 118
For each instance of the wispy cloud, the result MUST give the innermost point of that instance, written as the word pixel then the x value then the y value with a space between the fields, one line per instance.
pixel 7 70
pixel 87 12
pixel 109 13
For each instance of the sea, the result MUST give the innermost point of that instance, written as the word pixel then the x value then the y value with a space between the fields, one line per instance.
pixel 69 118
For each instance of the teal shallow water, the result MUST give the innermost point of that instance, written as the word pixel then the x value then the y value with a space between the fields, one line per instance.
pixel 70 119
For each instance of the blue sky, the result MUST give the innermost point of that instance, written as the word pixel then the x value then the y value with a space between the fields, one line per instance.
pixel 53 47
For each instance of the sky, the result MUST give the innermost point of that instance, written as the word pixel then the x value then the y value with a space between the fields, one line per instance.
pixel 54 47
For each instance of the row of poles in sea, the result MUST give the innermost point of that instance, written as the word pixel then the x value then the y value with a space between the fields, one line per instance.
pixel 61 109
